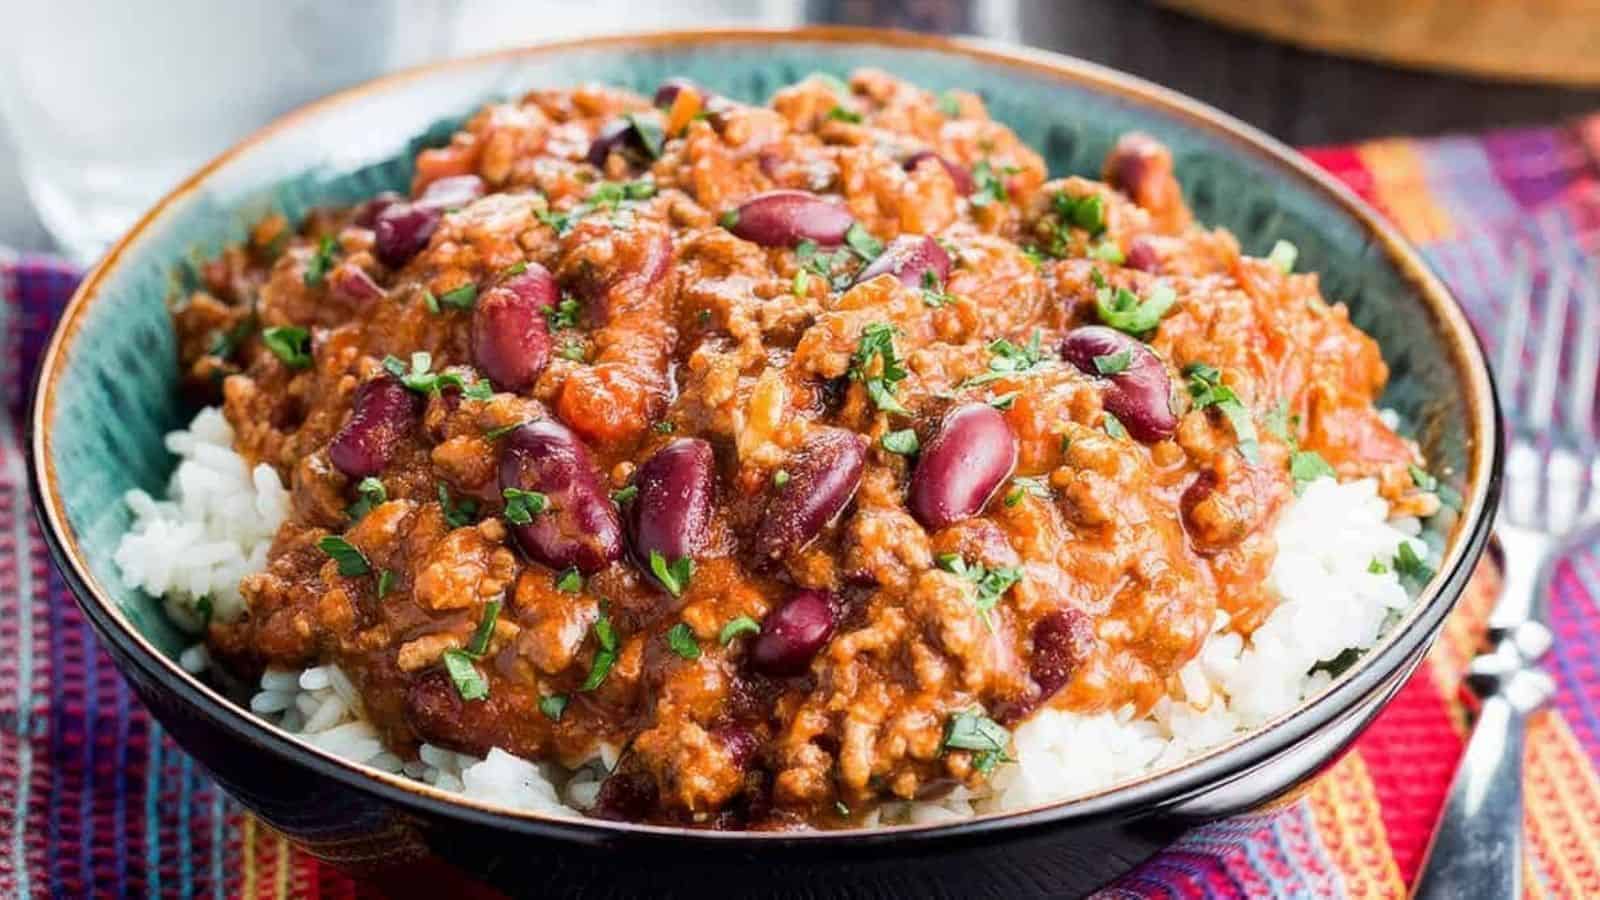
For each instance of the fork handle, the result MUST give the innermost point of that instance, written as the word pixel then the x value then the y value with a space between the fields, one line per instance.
pixel 1476 849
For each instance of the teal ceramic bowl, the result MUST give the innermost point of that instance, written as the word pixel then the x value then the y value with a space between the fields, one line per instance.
pixel 108 391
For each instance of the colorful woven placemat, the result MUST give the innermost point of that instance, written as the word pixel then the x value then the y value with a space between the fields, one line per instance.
pixel 94 798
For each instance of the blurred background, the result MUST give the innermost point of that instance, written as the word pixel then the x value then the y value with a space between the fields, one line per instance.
pixel 153 89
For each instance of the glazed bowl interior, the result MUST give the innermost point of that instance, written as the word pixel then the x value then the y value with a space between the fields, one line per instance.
pixel 109 387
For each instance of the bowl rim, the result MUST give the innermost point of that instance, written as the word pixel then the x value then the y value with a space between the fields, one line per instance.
pixel 1148 792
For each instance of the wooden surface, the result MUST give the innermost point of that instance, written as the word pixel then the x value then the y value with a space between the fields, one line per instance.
pixel 1299 96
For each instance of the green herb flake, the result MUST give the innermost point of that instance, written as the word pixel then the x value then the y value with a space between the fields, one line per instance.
pixel 933 294
pixel 419 376
pixel 495 434
pixel 522 506
pixel 462 297
pixel 1409 565
pixel 1122 309
pixel 991 584
pixel 729 219
pixel 664 427
pixel 681 639
pixel 457 513
pixel 224 343
pixel 385 582
pixel 553 706
pixel 514 269
pixel 572 350
pixel 985 738
pixel 369 493
pixel 320 262
pixel 1421 478
pixel 877 342
pixel 469 682
pixel 478 390
pixel 479 644
pixel 648 127
pixel 1307 466
pixel 842 114
pixel 801 283
pixel 605 655
pixel 1007 360
pixel 1377 567
pixel 736 627
pixel 1283 255
pixel 1004 401
pixel 622 495
pixel 351 561
pixel 1087 212
pixel 988 187
pixel 1206 389
pixel 564 314
pixel 780 478
pixel 430 302
pixel 1107 251
pixel 1024 485
pixel 674 576
pixel 903 442
pixel 1278 425
pixel 1114 427
pixel 862 243
pixel 1113 363
pixel 570 582
pixel 290 343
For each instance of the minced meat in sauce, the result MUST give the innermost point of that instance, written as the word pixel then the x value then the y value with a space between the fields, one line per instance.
pixel 794 452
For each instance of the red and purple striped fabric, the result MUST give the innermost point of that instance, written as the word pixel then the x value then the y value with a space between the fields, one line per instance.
pixel 95 799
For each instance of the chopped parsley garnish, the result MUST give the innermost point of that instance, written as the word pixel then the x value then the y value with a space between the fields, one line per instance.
pixel 1307 466
pixel 608 195
pixel 736 627
pixel 485 630
pixel 780 478
pixel 469 682
pixel 320 262
pixel 877 341
pixel 984 737
pixel 1004 401
pixel 223 343
pixel 605 656
pixel 385 581
pixel 351 561
pixel 623 494
pixel 680 638
pixel 729 219
pixel 553 706
pixel 462 297
pixel 495 434
pixel 1283 255
pixel 571 582
pixel 992 584
pixel 674 576
pixel 903 442
pixel 430 302
pixel 1122 309
pixel 1107 251
pixel 1113 363
pixel 514 269
pixel 1279 423
pixel 1409 565
pixel 564 314
pixel 522 506
pixel 457 513
pixel 932 293
pixel 1034 255
pixel 290 343
pixel 801 283
pixel 949 104
pixel 1007 359
pixel 862 243
pixel 1023 485
pixel 1421 478
pixel 1206 389
pixel 369 493
pixel 1087 212
pixel 841 114
pixel 664 427
pixel 1377 567
pixel 1114 426
pixel 651 135
pixel 988 187
pixel 572 350
pixel 419 378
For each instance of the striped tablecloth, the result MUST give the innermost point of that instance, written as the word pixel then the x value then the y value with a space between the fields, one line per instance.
pixel 95 798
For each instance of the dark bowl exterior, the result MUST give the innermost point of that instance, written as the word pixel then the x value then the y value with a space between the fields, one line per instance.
pixel 414 840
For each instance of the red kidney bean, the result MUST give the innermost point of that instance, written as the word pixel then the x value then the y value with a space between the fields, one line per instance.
pixel 450 193
pixel 793 633
pixel 669 90
pixel 1142 255
pixel 383 411
pixel 402 230
pixel 958 173
pixel 579 527
pixel 909 258
pixel 351 281
pixel 740 742
pixel 784 218
pixel 367 214
pixel 510 337
pixel 1141 167
pixel 962 466
pixel 1140 396
pixel 823 476
pixel 671 514
pixel 1062 640
pixel 614 135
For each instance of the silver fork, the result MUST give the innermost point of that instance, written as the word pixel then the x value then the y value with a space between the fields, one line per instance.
pixel 1550 505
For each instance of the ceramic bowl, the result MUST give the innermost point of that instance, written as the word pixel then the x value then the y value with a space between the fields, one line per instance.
pixel 107 392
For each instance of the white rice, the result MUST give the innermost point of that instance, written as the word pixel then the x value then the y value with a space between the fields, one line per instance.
pixel 219 519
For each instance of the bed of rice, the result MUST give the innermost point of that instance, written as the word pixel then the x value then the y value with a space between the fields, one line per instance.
pixel 219 517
